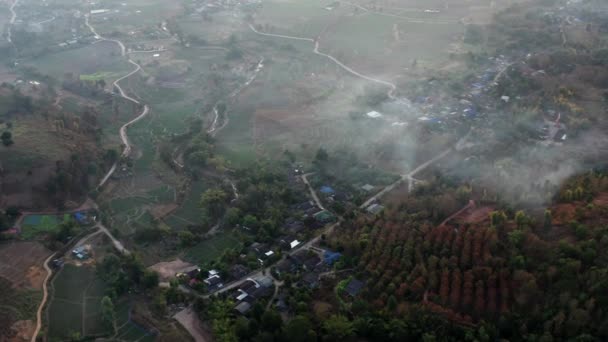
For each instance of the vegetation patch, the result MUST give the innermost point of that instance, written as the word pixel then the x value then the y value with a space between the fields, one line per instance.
pixel 100 75
pixel 16 305
pixel 34 225
pixel 75 307
pixel 212 248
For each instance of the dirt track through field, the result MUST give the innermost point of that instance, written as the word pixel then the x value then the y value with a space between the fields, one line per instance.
pixel 123 130
pixel 9 33
pixel 404 18
pixel 392 87
pixel 45 295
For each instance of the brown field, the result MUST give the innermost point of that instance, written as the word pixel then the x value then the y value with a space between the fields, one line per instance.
pixel 601 200
pixel 167 270
pixel 190 321
pixel 22 330
pixel 563 213
pixel 162 210
pixel 475 215
pixel 21 262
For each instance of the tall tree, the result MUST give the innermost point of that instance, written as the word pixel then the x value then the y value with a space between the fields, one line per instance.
pixel 107 310
pixel 214 201
pixel 338 327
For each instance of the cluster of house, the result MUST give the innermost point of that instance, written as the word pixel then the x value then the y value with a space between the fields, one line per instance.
pixel 211 280
pixel 310 209
pixel 250 291
pixel 81 253
pixel 309 264
pixel 195 278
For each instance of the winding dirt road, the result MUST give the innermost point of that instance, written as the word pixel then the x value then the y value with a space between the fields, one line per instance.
pixel 127 150
pixel 410 176
pixel 392 87
pixel 45 295
pixel 9 33
pixel 312 191
pixel 123 130
pixel 214 128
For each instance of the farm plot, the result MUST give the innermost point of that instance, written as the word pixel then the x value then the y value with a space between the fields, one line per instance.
pixel 375 44
pixel 300 18
pixel 103 57
pixel 21 263
pixel 297 102
pixel 126 329
pixel 76 303
pixel 15 306
pixel 189 212
pixel 212 248
pixel 130 213
pixel 34 225
pixel 75 307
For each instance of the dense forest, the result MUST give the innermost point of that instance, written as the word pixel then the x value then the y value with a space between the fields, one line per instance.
pixel 524 275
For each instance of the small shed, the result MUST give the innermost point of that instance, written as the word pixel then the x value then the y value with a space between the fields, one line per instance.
pixel 367 187
pixel 243 308
pixel 375 209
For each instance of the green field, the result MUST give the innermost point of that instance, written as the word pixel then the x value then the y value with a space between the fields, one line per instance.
pixel 91 59
pixel 130 212
pixel 100 75
pixel 34 225
pixel 16 305
pixel 303 18
pixel 190 211
pixel 76 303
pixel 75 307
pixel 212 248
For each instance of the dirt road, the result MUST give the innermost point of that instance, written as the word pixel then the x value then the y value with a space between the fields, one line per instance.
pixel 9 33
pixel 123 49
pixel 214 129
pixel 410 176
pixel 392 87
pixel 101 229
pixel 123 129
pixel 45 295
pixel 117 244
pixel 312 192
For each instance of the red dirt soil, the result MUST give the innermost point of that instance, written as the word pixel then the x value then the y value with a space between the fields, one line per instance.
pixel 20 263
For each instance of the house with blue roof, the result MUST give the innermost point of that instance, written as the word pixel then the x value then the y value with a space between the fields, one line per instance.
pixel 330 257
pixel 80 217
pixel 327 190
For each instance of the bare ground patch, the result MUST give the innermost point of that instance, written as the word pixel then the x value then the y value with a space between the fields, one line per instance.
pixel 475 215
pixel 190 321
pixel 22 330
pixel 167 270
pixel 20 263
pixel 162 210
